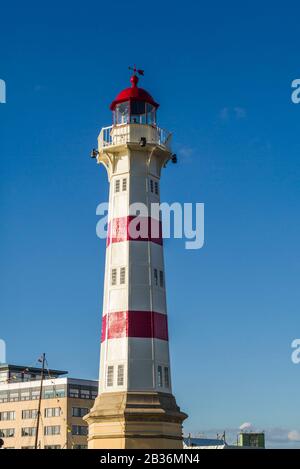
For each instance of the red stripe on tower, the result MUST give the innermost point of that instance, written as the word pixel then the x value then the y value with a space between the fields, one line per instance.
pixel 134 228
pixel 139 324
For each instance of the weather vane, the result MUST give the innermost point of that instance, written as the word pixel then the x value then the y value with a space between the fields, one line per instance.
pixel 135 70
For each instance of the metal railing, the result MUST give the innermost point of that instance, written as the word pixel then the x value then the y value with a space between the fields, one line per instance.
pixel 121 134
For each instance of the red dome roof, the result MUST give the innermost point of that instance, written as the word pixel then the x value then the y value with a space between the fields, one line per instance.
pixel 133 94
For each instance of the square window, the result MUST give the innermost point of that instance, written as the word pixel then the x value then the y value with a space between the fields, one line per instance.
pixel 85 393
pixel 74 392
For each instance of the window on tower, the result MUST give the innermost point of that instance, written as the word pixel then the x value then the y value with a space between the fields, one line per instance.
pixel 166 377
pixel 124 184
pixel 161 279
pixel 151 114
pixel 110 376
pixel 114 276
pixel 138 112
pixel 155 277
pixel 122 275
pixel 156 187
pixel 117 185
pixel 120 378
pixel 159 377
pixel 122 113
pixel 151 185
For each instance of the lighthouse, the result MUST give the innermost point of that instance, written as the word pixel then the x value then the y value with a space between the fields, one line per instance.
pixel 135 407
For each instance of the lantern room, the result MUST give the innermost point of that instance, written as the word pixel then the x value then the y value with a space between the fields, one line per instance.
pixel 134 105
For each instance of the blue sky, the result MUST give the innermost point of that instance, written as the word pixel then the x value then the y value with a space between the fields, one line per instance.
pixel 222 74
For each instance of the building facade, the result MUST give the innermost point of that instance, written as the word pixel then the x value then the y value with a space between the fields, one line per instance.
pixel 64 402
pixel 251 439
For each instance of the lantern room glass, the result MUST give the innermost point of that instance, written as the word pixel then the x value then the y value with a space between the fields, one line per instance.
pixel 135 112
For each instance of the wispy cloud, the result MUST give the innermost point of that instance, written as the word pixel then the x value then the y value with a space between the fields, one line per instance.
pixel 240 112
pixel 224 114
pixel 37 88
pixel 237 113
pixel 246 426
pixel 185 152
pixel 294 435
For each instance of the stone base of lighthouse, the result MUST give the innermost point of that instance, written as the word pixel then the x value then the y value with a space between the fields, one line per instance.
pixel 135 420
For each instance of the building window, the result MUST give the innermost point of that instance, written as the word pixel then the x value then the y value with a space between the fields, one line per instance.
pixel 80 447
pixel 49 393
pixel 155 278
pixel 94 394
pixel 27 447
pixel 166 377
pixel 161 279
pixel 60 392
pixel 159 377
pixel 120 379
pixel 117 185
pixel 7 432
pixel 110 376
pixel 122 275
pixel 74 392
pixel 79 411
pixel 3 376
pixel 52 412
pixel 14 396
pixel 29 414
pixel 3 397
pixel 9 415
pixel 35 394
pixel 124 184
pixel 79 430
pixel 114 276
pixel 52 430
pixel 25 395
pixel 52 447
pixel 156 187
pixel 28 431
pixel 85 394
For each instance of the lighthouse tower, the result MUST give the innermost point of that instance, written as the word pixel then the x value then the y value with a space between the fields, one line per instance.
pixel 135 407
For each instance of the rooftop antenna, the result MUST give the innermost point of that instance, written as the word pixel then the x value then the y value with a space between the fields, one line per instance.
pixel 41 360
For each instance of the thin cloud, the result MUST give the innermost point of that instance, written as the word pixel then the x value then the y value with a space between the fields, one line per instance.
pixel 185 152
pixel 224 114
pixel 240 112
pixel 294 435
pixel 246 426
pixel 237 113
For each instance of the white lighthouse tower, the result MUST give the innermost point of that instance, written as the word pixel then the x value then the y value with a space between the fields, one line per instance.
pixel 135 407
